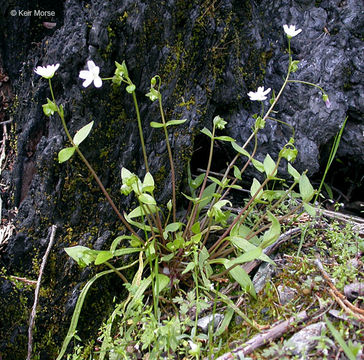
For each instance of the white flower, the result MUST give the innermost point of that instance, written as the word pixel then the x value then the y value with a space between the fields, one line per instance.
pixel 291 30
pixel 259 95
pixel 193 346
pixel 46 71
pixel 91 75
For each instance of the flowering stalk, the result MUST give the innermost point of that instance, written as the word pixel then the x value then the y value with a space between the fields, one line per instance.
pixel 48 73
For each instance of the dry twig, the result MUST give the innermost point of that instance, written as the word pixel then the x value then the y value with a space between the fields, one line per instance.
pixel 36 294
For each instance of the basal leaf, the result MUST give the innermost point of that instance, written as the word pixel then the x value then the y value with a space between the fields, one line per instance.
pixel 103 256
pixel 81 254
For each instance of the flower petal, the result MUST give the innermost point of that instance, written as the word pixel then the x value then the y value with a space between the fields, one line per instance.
pixel 97 81
pixel 84 74
pixel 87 82
pixel 91 65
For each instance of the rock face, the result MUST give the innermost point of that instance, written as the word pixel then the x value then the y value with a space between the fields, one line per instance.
pixel 209 55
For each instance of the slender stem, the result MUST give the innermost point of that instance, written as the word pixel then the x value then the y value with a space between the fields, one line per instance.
pixel 285 123
pixel 308 83
pixel 140 132
pixel 170 156
pixel 37 289
pixel 194 213
pixel 117 272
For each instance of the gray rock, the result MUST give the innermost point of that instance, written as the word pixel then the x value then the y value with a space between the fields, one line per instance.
pixel 204 323
pixel 286 294
pixel 304 341
pixel 263 274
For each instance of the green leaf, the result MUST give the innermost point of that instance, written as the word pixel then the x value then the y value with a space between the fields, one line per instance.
pixel 237 173
pixel 172 227
pixel 207 132
pixel 195 183
pixel 243 244
pixel 348 352
pixel 77 311
pixel 82 134
pixel 103 256
pixel 239 149
pixel 156 125
pixel 194 200
pixel 190 266
pixel 118 239
pixel 66 154
pixel 329 191
pixel 161 283
pixel 310 209
pixel 147 199
pixel 269 166
pixel 293 172
pixel 139 225
pixel 167 258
pixel 126 174
pixel 196 228
pixel 243 279
pixel 50 108
pixel 216 181
pixel 255 188
pixel 306 189
pixel 207 196
pixel 195 239
pixel 81 254
pixel 225 323
pixel 175 122
pixel 148 183
pixel 142 211
pixel 224 138
pixel 246 257
pixel 273 233
pixel 258 165
pixel 126 251
pixel 271 195
pixel 130 88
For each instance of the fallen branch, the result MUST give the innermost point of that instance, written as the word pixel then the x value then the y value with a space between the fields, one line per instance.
pixel 36 294
pixel 263 338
